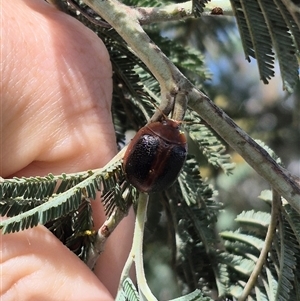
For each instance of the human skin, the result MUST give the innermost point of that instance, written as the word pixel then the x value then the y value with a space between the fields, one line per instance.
pixel 56 89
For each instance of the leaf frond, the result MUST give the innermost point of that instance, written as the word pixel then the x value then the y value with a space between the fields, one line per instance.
pixel 237 263
pixel 128 291
pixel 193 189
pixel 266 26
pixel 38 187
pixel 210 146
pixel 254 221
pixel 58 204
pixel 194 241
pixel 198 7
pixel 283 46
pixel 288 249
pixel 196 295
pixel 262 43
pixel 244 238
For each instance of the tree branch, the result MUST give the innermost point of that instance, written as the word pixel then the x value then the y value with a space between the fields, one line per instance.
pixel 172 81
pixel 102 235
pixel 181 11
pixel 172 12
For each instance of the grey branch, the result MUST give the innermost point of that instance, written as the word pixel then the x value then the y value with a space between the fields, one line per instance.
pixel 102 235
pixel 181 11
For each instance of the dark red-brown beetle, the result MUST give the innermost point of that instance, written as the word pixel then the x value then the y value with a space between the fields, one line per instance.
pixel 155 156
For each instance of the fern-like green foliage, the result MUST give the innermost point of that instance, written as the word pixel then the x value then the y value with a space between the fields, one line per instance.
pixel 208 143
pixel 198 7
pixel 75 229
pixel 128 291
pixel 279 278
pixel 32 201
pixel 268 28
pixel 190 209
pixel 52 200
pixel 265 27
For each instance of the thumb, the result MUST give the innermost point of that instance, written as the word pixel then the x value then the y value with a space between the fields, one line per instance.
pixel 35 265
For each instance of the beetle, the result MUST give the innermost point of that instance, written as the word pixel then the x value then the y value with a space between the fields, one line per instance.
pixel 155 156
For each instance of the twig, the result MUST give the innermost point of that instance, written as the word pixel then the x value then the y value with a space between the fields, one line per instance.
pixel 181 11
pixel 276 204
pixel 172 12
pixel 102 235
pixel 136 252
pixel 109 225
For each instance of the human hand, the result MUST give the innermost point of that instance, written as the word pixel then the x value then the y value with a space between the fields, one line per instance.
pixel 56 90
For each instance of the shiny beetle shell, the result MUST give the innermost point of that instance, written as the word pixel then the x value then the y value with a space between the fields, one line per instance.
pixel 155 156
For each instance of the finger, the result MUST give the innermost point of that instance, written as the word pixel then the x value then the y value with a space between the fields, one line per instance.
pixel 31 270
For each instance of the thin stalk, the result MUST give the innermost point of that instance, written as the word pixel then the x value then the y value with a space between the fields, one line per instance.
pixel 276 205
pixel 136 252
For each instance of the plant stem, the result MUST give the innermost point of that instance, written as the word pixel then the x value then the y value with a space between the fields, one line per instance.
pixel 102 235
pixel 276 205
pixel 136 252
pixel 180 11
pixel 172 12
pixel 141 218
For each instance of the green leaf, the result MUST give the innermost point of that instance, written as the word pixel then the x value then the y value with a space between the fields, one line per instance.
pixel 238 263
pixel 272 285
pixel 30 213
pixel 194 190
pixel 288 249
pixel 267 25
pixel 283 44
pixel 208 143
pixel 222 278
pixel 198 7
pixel 254 219
pixel 245 238
pixel 128 291
pixel 33 187
pixel 196 295
pixel 54 208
